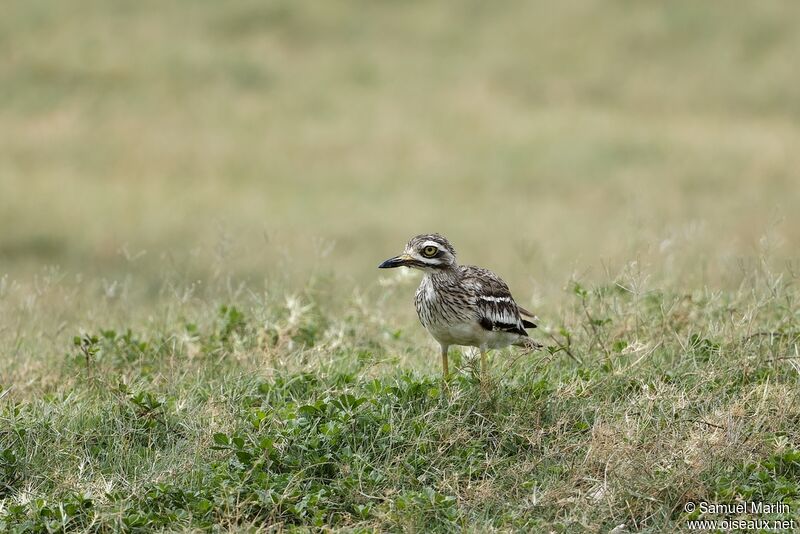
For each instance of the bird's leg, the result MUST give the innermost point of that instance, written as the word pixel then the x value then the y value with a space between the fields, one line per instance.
pixel 445 370
pixel 484 371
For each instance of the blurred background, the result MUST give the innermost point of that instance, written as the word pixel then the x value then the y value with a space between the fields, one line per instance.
pixel 287 138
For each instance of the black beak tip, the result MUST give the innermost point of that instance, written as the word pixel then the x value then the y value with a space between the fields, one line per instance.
pixel 390 263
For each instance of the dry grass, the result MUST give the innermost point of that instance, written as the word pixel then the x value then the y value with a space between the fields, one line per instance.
pixel 601 133
pixel 631 169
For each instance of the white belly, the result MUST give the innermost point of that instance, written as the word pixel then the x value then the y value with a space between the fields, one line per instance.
pixel 471 334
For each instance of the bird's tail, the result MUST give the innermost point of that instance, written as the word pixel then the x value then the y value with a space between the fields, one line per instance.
pixel 525 313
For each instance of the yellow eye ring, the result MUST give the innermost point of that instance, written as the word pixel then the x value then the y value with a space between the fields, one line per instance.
pixel 429 251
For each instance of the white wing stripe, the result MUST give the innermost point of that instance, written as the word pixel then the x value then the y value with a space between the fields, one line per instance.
pixel 502 316
pixel 494 299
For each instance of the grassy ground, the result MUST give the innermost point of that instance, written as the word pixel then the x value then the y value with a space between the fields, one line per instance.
pixel 279 413
pixel 194 197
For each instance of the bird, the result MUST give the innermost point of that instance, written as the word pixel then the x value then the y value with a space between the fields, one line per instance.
pixel 462 304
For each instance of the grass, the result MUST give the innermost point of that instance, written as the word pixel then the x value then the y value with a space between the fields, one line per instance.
pixel 272 412
pixel 194 197
pixel 600 131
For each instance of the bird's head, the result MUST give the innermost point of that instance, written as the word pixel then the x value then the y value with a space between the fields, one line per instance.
pixel 427 252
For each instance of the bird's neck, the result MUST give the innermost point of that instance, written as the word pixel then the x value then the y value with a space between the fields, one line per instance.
pixel 448 274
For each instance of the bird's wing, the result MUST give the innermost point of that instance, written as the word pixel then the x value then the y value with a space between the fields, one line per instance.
pixel 526 313
pixel 495 305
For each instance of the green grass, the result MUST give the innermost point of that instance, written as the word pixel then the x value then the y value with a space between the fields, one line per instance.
pixel 282 414
pixel 194 197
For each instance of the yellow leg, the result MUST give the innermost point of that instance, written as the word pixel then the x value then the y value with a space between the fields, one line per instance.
pixel 445 370
pixel 484 374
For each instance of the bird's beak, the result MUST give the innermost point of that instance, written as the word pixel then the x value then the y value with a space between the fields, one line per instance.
pixel 397 261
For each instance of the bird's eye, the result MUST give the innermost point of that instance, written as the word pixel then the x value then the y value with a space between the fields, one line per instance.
pixel 429 251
